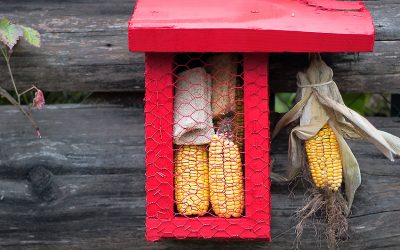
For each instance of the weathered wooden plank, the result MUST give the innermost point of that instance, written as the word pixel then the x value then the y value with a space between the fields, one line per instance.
pixel 85 49
pixel 395 105
pixel 376 72
pixel 386 20
pixel 82 186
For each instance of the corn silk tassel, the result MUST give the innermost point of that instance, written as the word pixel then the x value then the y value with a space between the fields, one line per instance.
pixel 324 124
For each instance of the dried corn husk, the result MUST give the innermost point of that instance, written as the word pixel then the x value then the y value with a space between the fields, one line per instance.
pixel 320 102
pixel 223 70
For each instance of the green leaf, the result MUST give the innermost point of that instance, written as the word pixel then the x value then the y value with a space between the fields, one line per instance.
pixel 356 102
pixel 32 36
pixel 9 33
pixel 283 101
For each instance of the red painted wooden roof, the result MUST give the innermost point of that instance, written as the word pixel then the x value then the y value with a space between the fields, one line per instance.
pixel 250 26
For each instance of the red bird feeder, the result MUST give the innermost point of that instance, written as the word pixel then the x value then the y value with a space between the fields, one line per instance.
pixel 207 106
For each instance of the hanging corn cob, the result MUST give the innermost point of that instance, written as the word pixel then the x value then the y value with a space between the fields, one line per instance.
pixel 324 159
pixel 191 180
pixel 225 174
pixel 324 122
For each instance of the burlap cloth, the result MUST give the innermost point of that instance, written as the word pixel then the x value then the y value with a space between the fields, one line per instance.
pixel 192 108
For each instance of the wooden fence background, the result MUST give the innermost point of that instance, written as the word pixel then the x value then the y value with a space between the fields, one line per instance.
pixel 82 185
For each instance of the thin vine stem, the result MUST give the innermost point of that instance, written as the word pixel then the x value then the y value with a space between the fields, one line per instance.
pixel 26 91
pixel 7 58
pixel 6 51
pixel 12 100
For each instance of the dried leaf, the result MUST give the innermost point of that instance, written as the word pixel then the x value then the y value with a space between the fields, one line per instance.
pixel 291 115
pixel 363 126
pixel 38 102
pixel 313 112
pixel 351 170
pixel 296 158
pixel 392 140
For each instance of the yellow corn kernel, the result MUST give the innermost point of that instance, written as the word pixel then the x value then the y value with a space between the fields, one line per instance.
pixel 192 191
pixel 324 159
pixel 226 178
pixel 239 118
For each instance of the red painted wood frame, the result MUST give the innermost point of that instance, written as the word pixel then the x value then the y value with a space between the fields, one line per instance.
pixel 251 26
pixel 161 221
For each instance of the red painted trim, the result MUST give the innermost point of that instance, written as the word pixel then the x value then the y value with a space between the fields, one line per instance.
pixel 234 40
pixel 251 26
pixel 158 134
pixel 257 140
pixel 207 227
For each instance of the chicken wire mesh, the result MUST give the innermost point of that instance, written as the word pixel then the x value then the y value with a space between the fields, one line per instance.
pixel 208 131
pixel 204 186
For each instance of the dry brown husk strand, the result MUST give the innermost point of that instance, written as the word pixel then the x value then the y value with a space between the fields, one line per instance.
pixel 326 206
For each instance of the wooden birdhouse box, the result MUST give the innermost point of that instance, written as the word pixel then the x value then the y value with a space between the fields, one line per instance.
pixel 207 104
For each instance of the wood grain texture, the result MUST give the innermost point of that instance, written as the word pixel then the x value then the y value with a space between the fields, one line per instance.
pixel 82 186
pixel 85 48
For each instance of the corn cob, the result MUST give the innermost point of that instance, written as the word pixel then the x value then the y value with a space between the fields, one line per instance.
pixel 324 159
pixel 226 177
pixel 191 180
pixel 239 119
